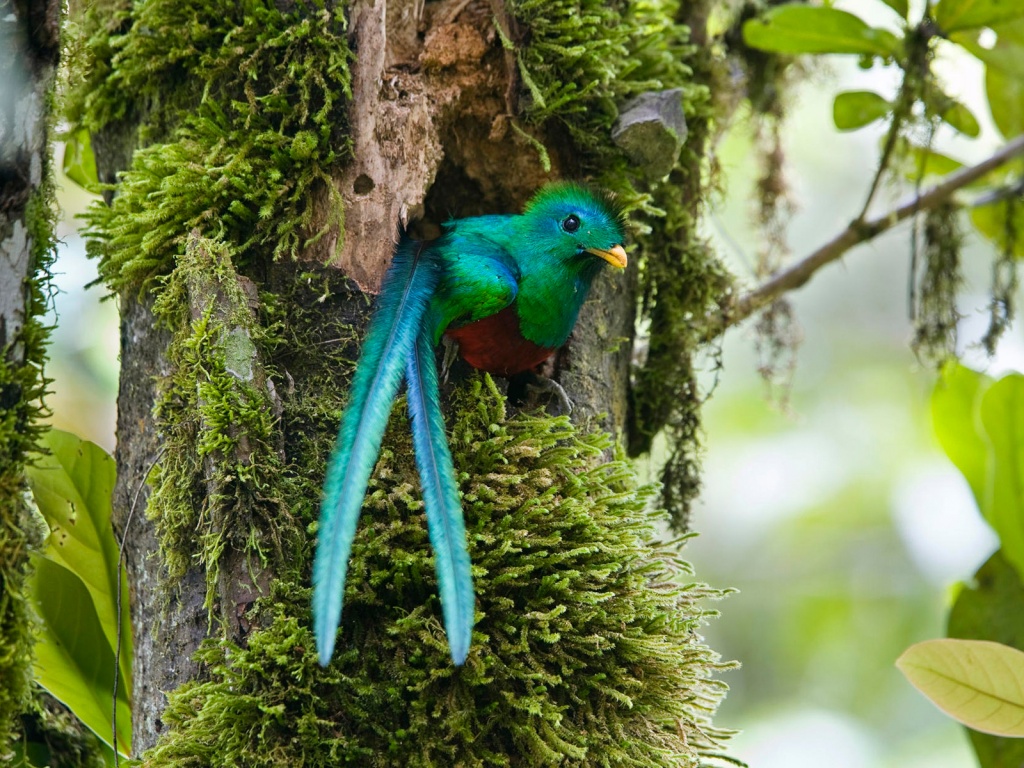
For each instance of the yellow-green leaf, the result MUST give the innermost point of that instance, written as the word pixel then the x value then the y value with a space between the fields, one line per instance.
pixel 80 163
pixel 1007 55
pixel 953 113
pixel 988 608
pixel 953 15
pixel 1006 101
pixel 1002 415
pixel 977 682
pixel 900 6
pixel 994 222
pixel 800 28
pixel 855 109
pixel 926 162
pixel 72 487
pixel 75 584
pixel 73 660
pixel 956 419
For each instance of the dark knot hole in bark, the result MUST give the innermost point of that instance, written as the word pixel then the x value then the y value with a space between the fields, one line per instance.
pixel 363 185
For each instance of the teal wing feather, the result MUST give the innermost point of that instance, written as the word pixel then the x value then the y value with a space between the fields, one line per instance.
pixel 408 287
pixel 480 274
pixel 440 497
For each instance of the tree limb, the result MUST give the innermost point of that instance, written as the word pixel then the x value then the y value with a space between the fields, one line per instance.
pixel 860 230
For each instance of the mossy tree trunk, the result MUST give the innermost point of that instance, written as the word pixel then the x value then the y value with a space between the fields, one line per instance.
pixel 271 155
pixel 29 46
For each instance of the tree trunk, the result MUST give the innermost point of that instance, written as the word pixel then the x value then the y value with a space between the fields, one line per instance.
pixel 233 369
pixel 29 37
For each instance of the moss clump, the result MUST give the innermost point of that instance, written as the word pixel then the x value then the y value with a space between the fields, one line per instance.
pixel 245 105
pixel 935 312
pixel 585 649
pixel 581 61
pixel 52 736
pixel 221 482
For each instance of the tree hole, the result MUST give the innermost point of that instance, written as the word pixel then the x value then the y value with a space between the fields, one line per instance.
pixel 363 184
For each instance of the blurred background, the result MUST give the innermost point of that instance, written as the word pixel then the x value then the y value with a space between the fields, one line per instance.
pixel 827 503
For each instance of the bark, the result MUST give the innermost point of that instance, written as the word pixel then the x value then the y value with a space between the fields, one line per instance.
pixel 28 59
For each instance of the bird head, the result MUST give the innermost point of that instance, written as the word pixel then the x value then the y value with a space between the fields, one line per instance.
pixel 579 227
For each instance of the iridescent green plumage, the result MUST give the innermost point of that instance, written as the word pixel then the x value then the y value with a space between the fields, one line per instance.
pixel 508 289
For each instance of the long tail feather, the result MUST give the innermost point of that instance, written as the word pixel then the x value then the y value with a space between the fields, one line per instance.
pixel 440 497
pixel 408 286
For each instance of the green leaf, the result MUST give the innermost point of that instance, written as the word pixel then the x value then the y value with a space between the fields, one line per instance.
pixel 1007 55
pixel 980 426
pixel 803 29
pixel 953 113
pixel 991 221
pixel 988 608
pixel 900 6
pixel 73 659
pixel 962 119
pixel 926 162
pixel 956 419
pixel 80 163
pixel 977 682
pixel 1004 73
pixel 953 15
pixel 1002 414
pixel 72 487
pixel 1006 101
pixel 855 109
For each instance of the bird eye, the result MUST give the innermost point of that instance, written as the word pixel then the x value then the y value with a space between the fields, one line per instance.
pixel 571 223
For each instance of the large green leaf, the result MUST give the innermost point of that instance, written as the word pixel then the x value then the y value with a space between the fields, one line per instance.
pixel 989 608
pixel 956 419
pixel 980 426
pixel 1002 414
pixel 1007 55
pixel 855 109
pixel 953 15
pixel 800 28
pixel 73 659
pixel 1004 78
pixel 72 486
pixel 977 682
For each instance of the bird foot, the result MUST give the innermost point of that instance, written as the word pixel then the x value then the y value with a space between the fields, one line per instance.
pixel 544 385
pixel 451 354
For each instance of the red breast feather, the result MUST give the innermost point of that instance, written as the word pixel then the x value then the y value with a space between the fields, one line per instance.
pixel 496 345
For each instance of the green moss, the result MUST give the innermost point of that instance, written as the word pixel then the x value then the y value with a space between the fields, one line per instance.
pixel 935 312
pixel 220 482
pixel 587 643
pixel 22 386
pixel 581 61
pixel 585 647
pixel 243 120
pixel 54 737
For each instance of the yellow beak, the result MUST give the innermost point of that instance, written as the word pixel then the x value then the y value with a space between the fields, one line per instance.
pixel 616 255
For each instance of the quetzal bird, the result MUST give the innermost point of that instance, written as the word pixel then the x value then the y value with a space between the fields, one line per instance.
pixel 508 290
